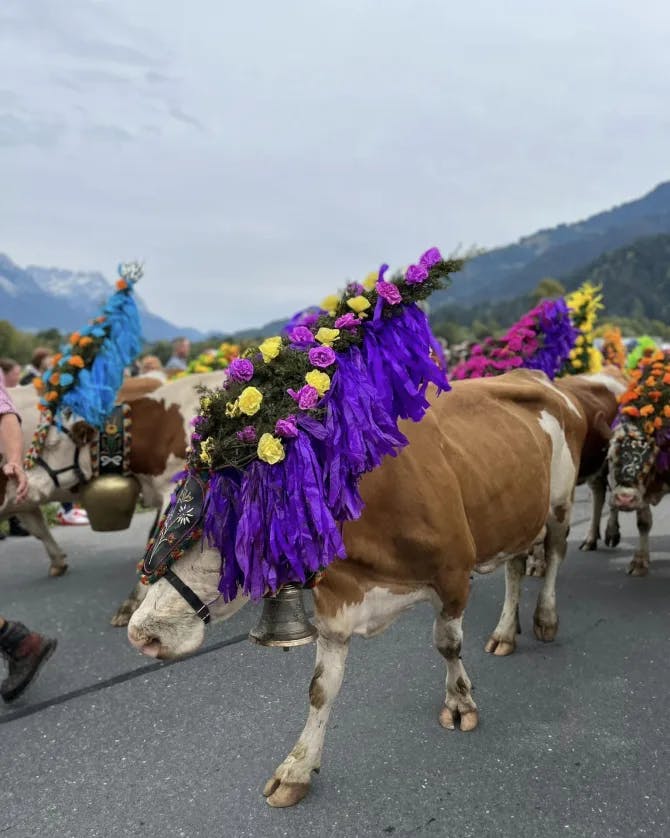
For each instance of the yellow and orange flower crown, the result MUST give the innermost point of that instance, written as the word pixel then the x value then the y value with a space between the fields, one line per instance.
pixel 647 399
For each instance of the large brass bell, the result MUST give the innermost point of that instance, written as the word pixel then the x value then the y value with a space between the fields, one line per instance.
pixel 110 501
pixel 283 621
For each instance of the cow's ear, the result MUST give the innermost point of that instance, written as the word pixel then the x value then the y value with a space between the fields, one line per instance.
pixel 601 426
pixel 82 433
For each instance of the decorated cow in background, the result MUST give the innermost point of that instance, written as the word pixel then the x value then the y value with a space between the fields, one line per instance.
pixel 639 453
pixel 301 472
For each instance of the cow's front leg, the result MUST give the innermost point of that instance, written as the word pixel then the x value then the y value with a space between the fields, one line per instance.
pixel 291 780
pixel 129 605
pixel 33 520
pixel 598 487
pixel 458 703
pixel 639 566
pixel 612 531
pixel 503 639
pixel 545 619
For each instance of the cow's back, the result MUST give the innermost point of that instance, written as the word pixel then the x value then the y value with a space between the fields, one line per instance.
pixel 473 483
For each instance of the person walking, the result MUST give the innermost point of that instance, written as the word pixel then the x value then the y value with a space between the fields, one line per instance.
pixel 24 650
pixel 11 370
pixel 178 362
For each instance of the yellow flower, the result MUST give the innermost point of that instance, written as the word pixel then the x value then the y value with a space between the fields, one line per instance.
pixel 270 348
pixel 576 363
pixel 358 304
pixel 202 368
pixel 205 402
pixel 319 380
pixel 270 449
pixel 330 303
pixel 233 409
pixel 250 400
pixel 327 336
pixel 206 451
pixel 370 281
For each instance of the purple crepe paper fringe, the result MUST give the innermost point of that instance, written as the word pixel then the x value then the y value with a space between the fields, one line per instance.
pixel 277 524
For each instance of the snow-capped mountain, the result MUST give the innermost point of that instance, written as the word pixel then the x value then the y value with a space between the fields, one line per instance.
pixel 36 298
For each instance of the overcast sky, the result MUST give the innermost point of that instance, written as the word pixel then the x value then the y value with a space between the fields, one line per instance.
pixel 257 154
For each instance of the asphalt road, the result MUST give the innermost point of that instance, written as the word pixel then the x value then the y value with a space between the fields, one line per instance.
pixel 573 738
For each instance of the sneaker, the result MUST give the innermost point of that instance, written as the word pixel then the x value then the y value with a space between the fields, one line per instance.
pixel 25 652
pixel 82 514
pixel 71 518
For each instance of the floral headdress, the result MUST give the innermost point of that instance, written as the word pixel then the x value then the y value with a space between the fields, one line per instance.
pixel 303 416
pixel 613 350
pixel 541 340
pixel 643 350
pixel 86 374
pixel 212 361
pixel 584 305
pixel 646 402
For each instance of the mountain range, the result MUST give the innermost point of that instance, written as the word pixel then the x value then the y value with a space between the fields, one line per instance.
pixel 36 298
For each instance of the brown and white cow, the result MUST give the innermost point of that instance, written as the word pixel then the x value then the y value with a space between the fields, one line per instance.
pixel 597 394
pixel 640 477
pixel 160 416
pixel 491 466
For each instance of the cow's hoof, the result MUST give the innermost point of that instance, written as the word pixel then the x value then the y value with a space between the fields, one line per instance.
pixel 281 793
pixel 588 545
pixel 536 567
pixel 501 648
pixel 545 631
pixel 612 539
pixel 637 569
pixel 58 570
pixel 122 616
pixel 468 720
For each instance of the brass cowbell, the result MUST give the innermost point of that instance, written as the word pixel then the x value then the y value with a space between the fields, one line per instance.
pixel 283 621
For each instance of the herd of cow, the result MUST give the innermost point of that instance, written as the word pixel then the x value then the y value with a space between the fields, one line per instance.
pixel 487 479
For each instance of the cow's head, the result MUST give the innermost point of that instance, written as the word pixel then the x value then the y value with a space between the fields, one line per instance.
pixel 632 455
pixel 63 460
pixel 166 625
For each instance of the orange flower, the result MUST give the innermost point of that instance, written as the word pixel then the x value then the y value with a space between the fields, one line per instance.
pixel 51 396
pixel 54 378
pixel 121 284
pixel 655 395
pixel 636 374
pixel 74 338
pixel 85 341
pixel 77 361
pixel 658 423
pixel 666 410
pixel 38 384
pixel 630 410
pixel 647 410
pixel 651 381
pixel 56 358
pixel 628 396
pixel 649 428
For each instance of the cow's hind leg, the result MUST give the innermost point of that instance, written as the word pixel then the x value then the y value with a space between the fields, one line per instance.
pixel 545 619
pixel 33 520
pixel 291 780
pixel 639 566
pixel 598 487
pixel 503 639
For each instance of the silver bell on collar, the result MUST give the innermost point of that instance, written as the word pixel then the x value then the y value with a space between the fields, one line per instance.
pixel 283 621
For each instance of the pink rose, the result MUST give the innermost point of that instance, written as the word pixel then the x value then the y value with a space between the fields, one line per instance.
pixel 307 397
pixel 430 257
pixel 389 292
pixel 416 274
pixel 321 356
pixel 286 428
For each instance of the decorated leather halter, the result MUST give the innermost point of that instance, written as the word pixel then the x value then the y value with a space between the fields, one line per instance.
pixel 178 530
pixel 34 456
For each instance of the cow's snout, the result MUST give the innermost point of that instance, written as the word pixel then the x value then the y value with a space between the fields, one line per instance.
pixel 627 499
pixel 148 644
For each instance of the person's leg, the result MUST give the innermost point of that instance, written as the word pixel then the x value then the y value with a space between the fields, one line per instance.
pixel 25 651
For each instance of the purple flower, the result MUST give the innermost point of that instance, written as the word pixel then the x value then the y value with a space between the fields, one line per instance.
pixel 389 292
pixel 195 437
pixel 247 434
pixel 307 397
pixel 286 427
pixel 347 321
pixel 353 289
pixel 196 421
pixel 430 257
pixel 416 274
pixel 241 369
pixel 301 336
pixel 321 356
